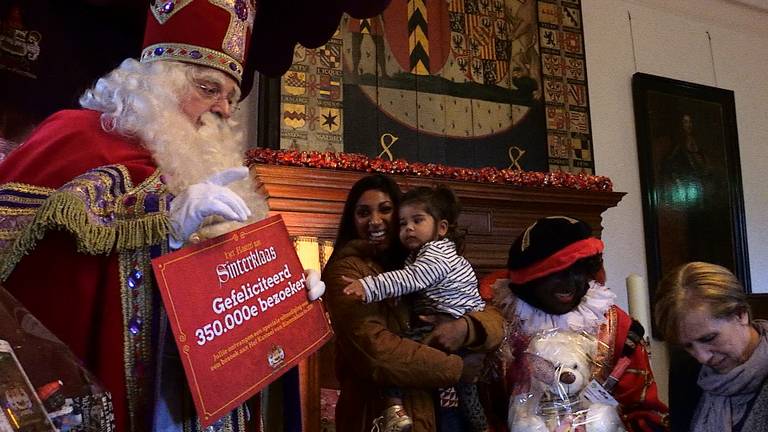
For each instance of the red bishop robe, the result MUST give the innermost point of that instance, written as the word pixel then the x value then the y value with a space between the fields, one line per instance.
pixel 82 211
pixel 76 295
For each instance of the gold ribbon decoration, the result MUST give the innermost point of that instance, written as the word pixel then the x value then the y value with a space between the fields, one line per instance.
pixel 386 146
pixel 515 159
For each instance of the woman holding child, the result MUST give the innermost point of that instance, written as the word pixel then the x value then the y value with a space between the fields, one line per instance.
pixel 372 353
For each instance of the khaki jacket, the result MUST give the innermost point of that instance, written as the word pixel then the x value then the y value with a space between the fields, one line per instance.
pixel 370 354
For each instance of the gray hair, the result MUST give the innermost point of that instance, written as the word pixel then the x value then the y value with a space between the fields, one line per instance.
pixel 134 93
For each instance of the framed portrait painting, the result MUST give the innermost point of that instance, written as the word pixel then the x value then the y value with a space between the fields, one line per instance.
pixel 690 175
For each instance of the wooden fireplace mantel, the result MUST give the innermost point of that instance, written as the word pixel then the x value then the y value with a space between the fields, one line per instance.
pixel 311 201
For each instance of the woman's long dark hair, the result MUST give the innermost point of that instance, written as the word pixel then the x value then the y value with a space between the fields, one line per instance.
pixel 347 230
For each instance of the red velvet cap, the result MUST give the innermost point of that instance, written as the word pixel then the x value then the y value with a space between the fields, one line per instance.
pixel 213 33
pixel 560 260
pixel 549 245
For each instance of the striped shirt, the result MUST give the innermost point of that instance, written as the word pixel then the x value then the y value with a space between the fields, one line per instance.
pixel 444 279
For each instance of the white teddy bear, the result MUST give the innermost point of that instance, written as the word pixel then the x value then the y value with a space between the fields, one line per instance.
pixel 560 365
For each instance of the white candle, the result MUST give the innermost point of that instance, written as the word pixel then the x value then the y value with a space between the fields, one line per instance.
pixel 639 308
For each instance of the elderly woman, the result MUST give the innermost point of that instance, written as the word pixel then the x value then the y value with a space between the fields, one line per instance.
pixel 371 354
pixel 703 308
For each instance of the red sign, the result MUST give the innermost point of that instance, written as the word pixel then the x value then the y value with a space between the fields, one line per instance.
pixel 239 311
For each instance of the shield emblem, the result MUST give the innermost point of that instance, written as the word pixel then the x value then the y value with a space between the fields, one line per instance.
pixel 329 56
pixel 295 83
pixel 479 39
pixel 417 33
pixel 329 87
pixel 330 119
pixel 294 115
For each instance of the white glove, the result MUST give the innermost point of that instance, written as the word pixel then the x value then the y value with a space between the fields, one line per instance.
pixel 315 287
pixel 209 198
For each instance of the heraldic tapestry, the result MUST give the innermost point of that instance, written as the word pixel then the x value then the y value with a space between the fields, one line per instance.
pixel 467 83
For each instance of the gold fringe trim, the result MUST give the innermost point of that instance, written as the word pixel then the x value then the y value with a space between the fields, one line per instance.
pixel 64 211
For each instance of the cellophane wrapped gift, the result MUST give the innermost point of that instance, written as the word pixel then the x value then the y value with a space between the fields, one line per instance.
pixel 71 397
pixel 559 367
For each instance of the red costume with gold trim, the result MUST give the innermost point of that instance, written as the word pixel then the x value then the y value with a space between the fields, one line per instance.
pixel 77 295
pixel 82 212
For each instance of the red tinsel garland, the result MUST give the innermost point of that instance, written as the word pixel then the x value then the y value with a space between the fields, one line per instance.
pixel 358 162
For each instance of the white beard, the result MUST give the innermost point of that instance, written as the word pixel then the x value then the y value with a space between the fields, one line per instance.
pixel 186 155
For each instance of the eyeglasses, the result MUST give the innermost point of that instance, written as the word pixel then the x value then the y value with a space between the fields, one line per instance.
pixel 213 92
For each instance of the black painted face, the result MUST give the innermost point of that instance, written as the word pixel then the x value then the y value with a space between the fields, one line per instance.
pixel 558 293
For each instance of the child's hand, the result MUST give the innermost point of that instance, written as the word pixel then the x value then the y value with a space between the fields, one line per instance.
pixel 355 288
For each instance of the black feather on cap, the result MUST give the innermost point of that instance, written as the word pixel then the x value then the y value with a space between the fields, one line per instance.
pixel 544 238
